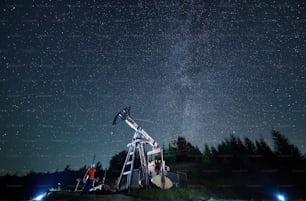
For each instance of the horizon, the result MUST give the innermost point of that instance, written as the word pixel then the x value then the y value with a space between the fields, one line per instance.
pixel 51 171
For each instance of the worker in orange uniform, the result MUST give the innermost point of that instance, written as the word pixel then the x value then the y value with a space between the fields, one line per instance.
pixel 88 179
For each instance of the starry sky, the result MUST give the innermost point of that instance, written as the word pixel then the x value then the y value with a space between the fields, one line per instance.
pixel 199 69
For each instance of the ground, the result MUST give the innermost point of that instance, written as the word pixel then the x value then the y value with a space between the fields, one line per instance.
pixel 72 196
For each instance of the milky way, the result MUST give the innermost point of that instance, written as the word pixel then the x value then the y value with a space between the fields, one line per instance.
pixel 203 70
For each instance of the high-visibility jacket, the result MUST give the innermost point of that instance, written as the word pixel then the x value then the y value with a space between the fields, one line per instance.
pixel 91 173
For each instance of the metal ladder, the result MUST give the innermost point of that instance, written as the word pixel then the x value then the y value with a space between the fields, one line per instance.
pixel 127 170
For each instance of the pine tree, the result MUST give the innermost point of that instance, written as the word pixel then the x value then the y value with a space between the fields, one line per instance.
pixel 250 146
pixel 282 146
pixel 207 155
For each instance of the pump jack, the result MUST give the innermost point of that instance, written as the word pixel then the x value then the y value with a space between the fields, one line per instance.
pixel 140 138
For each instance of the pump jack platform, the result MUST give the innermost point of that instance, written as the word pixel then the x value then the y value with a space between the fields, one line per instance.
pixel 148 170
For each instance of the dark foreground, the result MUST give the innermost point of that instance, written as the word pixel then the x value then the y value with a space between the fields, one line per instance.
pixel 116 197
pixel 153 196
pixel 71 196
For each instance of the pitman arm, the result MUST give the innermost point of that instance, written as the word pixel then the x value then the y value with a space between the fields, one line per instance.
pixel 142 134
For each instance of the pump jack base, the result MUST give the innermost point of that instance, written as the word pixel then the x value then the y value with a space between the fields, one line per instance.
pixel 157 181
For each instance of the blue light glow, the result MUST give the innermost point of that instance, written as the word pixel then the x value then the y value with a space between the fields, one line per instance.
pixel 281 197
pixel 39 197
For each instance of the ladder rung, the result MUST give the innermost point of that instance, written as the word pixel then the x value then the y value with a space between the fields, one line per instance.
pixel 129 163
pixel 127 172
pixel 131 153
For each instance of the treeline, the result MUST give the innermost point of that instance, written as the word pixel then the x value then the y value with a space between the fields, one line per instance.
pixel 236 153
pixel 252 167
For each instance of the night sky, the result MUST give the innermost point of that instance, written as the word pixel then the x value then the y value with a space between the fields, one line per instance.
pixel 199 69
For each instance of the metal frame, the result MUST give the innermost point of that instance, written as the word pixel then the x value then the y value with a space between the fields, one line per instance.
pixel 140 138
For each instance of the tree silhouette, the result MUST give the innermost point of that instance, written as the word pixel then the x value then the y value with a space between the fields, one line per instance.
pixel 117 161
pixel 185 151
pixel 99 166
pixel 207 155
pixel 249 146
pixel 67 168
pixel 282 146
pixel 263 149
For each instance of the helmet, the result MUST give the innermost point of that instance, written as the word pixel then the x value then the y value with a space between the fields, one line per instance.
pixel 93 165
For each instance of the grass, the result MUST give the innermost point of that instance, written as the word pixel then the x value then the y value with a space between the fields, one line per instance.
pixel 193 193
pixel 171 194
